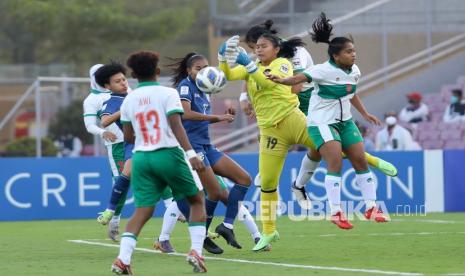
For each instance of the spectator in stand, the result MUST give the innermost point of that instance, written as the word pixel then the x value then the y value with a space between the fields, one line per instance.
pixel 367 141
pixel 455 112
pixel 70 146
pixel 394 136
pixel 416 111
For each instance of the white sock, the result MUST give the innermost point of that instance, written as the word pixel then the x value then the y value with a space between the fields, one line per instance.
pixel 127 245
pixel 333 191
pixel 116 219
pixel 198 234
pixel 245 217
pixel 167 201
pixel 228 225
pixel 367 185
pixel 307 168
pixel 169 221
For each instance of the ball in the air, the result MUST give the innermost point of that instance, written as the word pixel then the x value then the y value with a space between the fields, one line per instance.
pixel 210 80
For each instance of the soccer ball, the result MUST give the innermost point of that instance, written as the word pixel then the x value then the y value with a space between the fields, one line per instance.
pixel 210 80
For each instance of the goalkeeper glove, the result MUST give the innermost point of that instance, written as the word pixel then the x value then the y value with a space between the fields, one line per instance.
pixel 244 60
pixel 228 50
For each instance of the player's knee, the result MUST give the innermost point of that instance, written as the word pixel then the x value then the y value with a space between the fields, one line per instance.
pixel 334 165
pixel 214 195
pixel 359 163
pixel 314 155
pixel 268 184
pixel 245 180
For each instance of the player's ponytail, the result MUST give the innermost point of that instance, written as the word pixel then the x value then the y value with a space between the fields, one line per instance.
pixel 287 47
pixel 257 31
pixel 180 65
pixel 322 32
pixel 322 29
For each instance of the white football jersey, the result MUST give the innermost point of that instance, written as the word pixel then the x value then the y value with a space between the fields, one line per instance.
pixel 334 87
pixel 93 106
pixel 302 60
pixel 147 108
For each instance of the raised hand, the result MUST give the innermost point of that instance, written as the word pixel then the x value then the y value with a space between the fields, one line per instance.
pixel 228 50
pixel 372 119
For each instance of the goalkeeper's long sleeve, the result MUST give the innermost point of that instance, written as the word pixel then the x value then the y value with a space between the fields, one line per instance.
pixel 237 73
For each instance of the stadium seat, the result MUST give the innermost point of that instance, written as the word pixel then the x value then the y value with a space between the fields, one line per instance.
pixel 455 144
pixel 451 134
pixel 428 135
pixel 432 144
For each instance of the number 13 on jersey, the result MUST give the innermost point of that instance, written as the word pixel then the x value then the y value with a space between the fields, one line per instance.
pixel 149 126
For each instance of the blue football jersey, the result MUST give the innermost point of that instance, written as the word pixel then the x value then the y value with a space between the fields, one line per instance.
pixel 113 105
pixel 197 131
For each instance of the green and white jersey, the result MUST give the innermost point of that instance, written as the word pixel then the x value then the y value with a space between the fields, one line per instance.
pixel 334 87
pixel 93 105
pixel 147 108
pixel 302 60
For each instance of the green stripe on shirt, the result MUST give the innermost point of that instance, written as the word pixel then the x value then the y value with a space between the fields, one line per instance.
pixel 174 111
pixel 336 91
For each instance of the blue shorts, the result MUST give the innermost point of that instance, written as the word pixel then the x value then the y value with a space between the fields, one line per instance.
pixel 128 148
pixel 209 154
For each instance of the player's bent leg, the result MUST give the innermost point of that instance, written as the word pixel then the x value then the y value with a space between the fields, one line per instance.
pixel 307 167
pixel 213 189
pixel 365 181
pixel 226 167
pixel 382 165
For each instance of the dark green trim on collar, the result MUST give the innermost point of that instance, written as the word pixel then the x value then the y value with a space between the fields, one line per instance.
pixel 337 66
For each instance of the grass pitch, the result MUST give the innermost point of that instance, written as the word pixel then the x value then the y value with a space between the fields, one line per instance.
pixel 430 245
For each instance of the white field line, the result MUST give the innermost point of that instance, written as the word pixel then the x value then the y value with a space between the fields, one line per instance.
pixel 312 267
pixel 438 221
pixel 392 234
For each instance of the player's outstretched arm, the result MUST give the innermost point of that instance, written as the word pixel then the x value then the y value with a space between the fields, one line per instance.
pixel 180 134
pixel 189 114
pixel 294 80
pixel 107 120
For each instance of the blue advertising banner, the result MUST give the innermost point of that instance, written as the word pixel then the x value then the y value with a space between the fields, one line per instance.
pixel 454 181
pixel 73 188
pixel 54 188
pixel 404 194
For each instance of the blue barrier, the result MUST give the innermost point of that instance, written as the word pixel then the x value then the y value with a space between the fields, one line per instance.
pixel 73 188
pixel 403 194
pixel 454 182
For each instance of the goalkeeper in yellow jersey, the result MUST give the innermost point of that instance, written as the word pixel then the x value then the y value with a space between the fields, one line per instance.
pixel 302 60
pixel 280 121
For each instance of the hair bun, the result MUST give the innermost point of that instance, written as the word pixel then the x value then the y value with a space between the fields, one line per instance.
pixel 268 24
